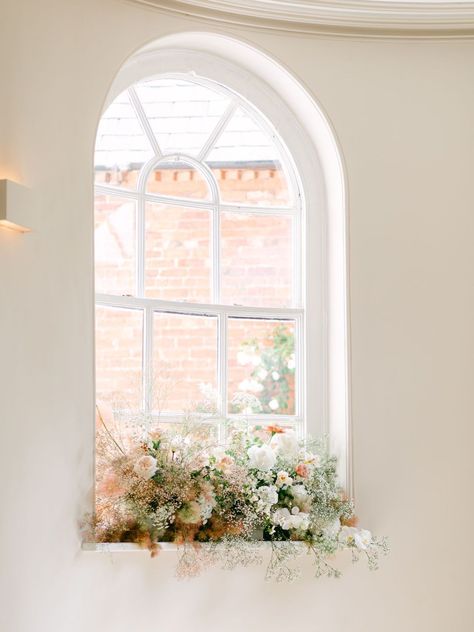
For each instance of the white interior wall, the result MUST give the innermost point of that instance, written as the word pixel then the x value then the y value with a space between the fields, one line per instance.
pixel 403 114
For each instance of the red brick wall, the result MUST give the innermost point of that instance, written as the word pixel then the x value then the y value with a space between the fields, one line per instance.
pixel 255 260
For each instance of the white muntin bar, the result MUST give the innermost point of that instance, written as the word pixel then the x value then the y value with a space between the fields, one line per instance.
pixel 205 309
pixel 137 106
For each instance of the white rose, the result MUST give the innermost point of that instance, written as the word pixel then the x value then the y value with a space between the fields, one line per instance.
pixel 283 478
pixel 261 458
pixel 145 467
pixel 268 494
pixel 300 521
pixel 285 444
pixel 299 493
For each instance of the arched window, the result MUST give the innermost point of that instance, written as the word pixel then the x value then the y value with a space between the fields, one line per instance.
pixel 219 247
pixel 198 256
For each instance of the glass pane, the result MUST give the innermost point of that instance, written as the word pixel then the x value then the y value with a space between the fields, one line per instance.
pixel 178 179
pixel 194 431
pixel 261 366
pixel 115 238
pixel 182 114
pixel 177 259
pixel 256 255
pixel 121 145
pixel 119 334
pixel 184 362
pixel 247 166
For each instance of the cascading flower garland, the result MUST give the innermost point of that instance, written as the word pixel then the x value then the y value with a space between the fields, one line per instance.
pixel 220 502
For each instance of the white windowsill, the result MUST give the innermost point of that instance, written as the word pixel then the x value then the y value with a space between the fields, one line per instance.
pixel 130 547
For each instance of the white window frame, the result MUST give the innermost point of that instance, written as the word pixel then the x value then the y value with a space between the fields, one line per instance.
pixel 311 142
pixel 222 312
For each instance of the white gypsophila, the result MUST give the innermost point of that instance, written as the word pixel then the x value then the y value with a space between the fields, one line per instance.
pixel 145 467
pixel 287 520
pixel 283 478
pixel 352 536
pixel 332 529
pixel 261 457
pixel 265 477
pixel 285 444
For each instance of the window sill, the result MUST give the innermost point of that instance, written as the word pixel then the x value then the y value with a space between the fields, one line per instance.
pixel 131 547
pixel 123 547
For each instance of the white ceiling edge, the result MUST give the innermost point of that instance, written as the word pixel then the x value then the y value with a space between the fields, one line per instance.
pixel 443 17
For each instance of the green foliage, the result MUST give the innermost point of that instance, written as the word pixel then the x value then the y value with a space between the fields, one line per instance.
pixel 275 372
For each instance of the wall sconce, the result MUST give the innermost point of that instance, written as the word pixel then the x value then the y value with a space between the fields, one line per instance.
pixel 13 206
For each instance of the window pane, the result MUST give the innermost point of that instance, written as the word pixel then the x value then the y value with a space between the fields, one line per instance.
pixel 189 432
pixel 182 114
pixel 115 237
pixel 247 166
pixel 121 145
pixel 256 253
pixel 177 259
pixel 261 355
pixel 119 334
pixel 184 361
pixel 178 179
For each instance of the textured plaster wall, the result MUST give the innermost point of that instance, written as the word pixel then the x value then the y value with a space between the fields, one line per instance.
pixel 403 114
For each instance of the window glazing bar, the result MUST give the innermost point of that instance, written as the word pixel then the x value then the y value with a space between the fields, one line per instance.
pixel 205 309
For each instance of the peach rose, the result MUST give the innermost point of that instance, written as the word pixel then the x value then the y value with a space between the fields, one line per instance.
pixel 145 467
pixel 302 470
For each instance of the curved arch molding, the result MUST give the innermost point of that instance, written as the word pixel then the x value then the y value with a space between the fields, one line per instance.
pixel 370 17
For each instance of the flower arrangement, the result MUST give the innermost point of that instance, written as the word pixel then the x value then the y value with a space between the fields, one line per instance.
pixel 220 502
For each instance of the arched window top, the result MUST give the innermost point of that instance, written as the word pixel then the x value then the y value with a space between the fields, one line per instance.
pixel 195 150
pixel 184 121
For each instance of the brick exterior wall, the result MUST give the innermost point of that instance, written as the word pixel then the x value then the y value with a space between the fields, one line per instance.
pixel 256 270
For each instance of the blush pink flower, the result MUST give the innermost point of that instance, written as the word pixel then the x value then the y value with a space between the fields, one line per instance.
pixel 302 470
